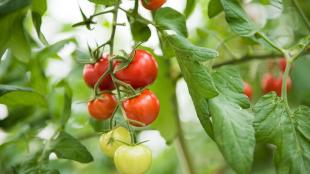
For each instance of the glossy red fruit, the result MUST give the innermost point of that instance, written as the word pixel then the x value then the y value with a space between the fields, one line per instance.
pixel 92 73
pixel 102 108
pixel 142 71
pixel 282 64
pixel 152 4
pixel 268 83
pixel 143 108
pixel 278 85
pixel 247 90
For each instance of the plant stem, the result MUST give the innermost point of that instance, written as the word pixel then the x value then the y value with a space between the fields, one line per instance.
pixel 115 14
pixel 182 149
pixel 265 38
pixel 301 13
pixel 284 88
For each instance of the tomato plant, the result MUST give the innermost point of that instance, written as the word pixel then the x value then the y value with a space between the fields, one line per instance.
pixel 142 109
pixel 142 70
pixel 133 159
pixel 112 140
pixel 230 78
pixel 152 4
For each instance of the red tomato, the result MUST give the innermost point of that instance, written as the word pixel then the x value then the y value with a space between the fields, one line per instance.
pixel 279 85
pixel 268 83
pixel 141 72
pixel 143 108
pixel 152 4
pixel 102 108
pixel 247 90
pixel 92 73
pixel 282 64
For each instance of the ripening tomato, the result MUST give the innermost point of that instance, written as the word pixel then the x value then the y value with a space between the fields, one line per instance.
pixel 247 90
pixel 133 159
pixel 112 140
pixel 141 72
pixel 282 64
pixel 278 84
pixel 152 4
pixel 102 108
pixel 92 73
pixel 143 108
pixel 268 83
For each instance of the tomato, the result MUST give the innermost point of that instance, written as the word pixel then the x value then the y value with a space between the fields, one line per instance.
pixel 102 108
pixel 141 72
pixel 268 83
pixel 278 83
pixel 112 140
pixel 133 159
pixel 143 108
pixel 152 4
pixel 247 90
pixel 92 73
pixel 282 64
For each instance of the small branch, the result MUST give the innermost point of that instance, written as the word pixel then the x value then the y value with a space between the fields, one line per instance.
pixel 271 43
pixel 301 13
pixel 247 59
pixel 115 14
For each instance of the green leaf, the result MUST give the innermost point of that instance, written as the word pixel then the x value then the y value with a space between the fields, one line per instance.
pixel 289 131
pixel 169 19
pixel 53 49
pixel 104 2
pixel 214 8
pixel 14 95
pixel 67 147
pixel 190 6
pixel 228 82
pixel 39 7
pixel 237 18
pixel 19 43
pixel 11 6
pixel 233 133
pixel 200 83
pixel 7 25
pixel 166 121
pixel 67 101
pixel 140 31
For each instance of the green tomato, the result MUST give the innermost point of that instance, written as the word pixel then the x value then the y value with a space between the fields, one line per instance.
pixel 133 159
pixel 112 140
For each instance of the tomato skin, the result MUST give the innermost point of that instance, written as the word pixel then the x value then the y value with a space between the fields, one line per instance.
pixel 268 83
pixel 141 72
pixel 153 4
pixel 102 108
pixel 133 159
pixel 282 64
pixel 92 73
pixel 247 90
pixel 143 108
pixel 109 142
pixel 278 83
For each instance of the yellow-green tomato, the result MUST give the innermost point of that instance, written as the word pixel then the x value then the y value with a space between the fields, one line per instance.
pixel 112 140
pixel 133 159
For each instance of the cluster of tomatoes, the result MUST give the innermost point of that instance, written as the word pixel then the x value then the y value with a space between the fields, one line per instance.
pixel 140 109
pixel 271 82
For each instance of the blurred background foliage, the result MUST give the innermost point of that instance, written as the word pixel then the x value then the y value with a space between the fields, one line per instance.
pixel 46 60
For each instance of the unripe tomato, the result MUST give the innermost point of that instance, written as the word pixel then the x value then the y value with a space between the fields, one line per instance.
pixel 143 108
pixel 247 90
pixel 279 85
pixel 92 73
pixel 268 83
pixel 102 108
pixel 112 140
pixel 141 72
pixel 133 159
pixel 282 64
pixel 152 4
